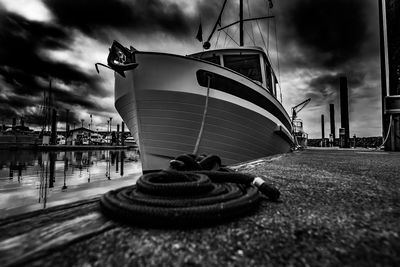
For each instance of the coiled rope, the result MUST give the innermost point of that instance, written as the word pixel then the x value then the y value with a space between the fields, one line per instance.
pixel 194 191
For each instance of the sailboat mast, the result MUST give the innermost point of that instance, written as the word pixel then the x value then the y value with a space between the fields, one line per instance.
pixel 241 23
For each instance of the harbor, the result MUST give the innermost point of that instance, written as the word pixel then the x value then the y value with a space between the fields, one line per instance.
pixel 337 207
pixel 20 136
pixel 37 179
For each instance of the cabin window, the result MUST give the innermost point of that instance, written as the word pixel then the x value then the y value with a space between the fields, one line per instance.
pixel 213 59
pixel 248 65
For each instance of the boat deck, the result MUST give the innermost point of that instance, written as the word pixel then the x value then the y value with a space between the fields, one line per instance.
pixel 338 207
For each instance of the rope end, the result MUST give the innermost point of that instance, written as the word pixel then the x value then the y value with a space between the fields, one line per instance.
pixel 271 192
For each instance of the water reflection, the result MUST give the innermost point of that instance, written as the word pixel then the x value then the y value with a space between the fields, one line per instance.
pixel 24 174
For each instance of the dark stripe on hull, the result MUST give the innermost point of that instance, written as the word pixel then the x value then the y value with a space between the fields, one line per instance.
pixel 240 90
pixel 170 122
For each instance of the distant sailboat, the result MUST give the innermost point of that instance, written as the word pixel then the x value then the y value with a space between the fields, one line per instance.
pixel 221 101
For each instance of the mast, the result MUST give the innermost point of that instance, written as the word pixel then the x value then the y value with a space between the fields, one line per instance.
pixel 384 62
pixel 241 23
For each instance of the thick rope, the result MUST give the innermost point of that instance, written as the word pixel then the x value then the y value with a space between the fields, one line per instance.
pixel 189 194
pixel 196 147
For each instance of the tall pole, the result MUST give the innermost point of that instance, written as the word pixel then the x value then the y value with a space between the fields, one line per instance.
pixel 344 110
pixel 391 15
pixel 49 105
pixel 332 120
pixel 118 142
pixel 53 139
pixel 122 135
pixel 91 122
pixel 322 130
pixel 384 74
pixel 241 23
pixel 67 123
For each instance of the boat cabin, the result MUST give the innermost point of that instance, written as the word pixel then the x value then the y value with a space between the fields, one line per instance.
pixel 251 62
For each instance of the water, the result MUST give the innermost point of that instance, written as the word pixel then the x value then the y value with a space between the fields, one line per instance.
pixel 31 180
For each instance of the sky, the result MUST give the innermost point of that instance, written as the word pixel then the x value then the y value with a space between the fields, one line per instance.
pixel 311 44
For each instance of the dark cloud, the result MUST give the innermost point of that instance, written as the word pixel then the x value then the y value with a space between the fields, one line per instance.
pixel 325 88
pixel 94 17
pixel 23 65
pixel 23 43
pixel 354 79
pixel 21 40
pixel 335 39
pixel 327 33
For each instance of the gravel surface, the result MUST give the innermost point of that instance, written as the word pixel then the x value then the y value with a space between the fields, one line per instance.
pixel 337 208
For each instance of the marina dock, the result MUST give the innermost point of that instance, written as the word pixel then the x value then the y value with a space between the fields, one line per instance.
pixel 338 207
pixel 63 147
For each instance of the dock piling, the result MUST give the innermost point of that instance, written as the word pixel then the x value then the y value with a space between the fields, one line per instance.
pixel 344 111
pixel 332 121
pixel 122 133
pixel 53 137
pixel 322 130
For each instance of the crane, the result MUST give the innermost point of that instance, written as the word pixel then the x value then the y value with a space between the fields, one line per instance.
pixel 296 109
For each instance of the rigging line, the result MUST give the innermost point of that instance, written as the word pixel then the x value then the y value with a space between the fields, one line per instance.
pixel 252 31
pixel 277 58
pixel 254 43
pixel 218 22
pixel 262 37
pixel 268 14
pixel 231 37
pixel 226 37
pixel 216 43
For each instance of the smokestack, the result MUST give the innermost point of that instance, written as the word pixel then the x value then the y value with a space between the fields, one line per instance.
pixel 332 118
pixel 22 122
pixel 344 110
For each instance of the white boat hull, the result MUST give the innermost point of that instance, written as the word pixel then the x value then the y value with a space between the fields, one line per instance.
pixel 162 104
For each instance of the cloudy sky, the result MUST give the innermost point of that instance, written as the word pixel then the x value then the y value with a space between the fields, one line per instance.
pixel 60 40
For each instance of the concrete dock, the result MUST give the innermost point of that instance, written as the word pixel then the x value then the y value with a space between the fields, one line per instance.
pixel 337 208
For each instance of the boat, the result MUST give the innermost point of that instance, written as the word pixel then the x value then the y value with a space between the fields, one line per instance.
pixel 130 142
pixel 96 138
pixel 221 101
pixel 18 136
pixel 61 140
